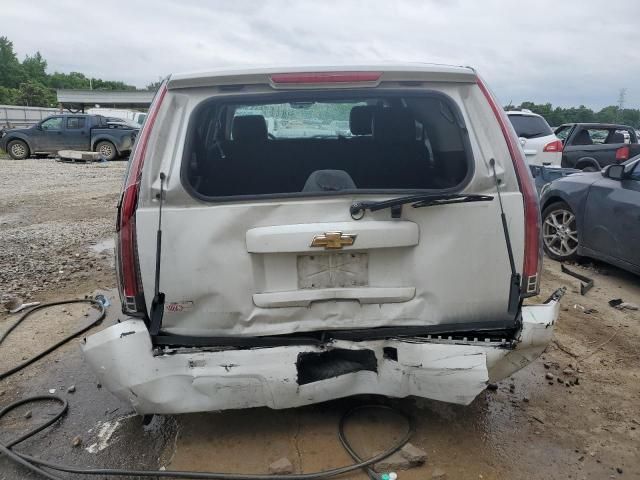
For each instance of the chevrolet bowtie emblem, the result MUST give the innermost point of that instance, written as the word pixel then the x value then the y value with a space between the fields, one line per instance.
pixel 333 240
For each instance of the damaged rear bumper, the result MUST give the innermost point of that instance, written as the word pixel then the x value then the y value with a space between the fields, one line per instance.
pixel 446 369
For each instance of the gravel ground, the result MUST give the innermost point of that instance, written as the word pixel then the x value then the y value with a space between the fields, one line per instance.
pixel 51 214
pixel 59 218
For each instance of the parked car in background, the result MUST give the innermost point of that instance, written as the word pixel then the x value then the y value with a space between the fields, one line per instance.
pixel 298 268
pixel 70 132
pixel 124 114
pixel 596 215
pixel 540 145
pixel 543 174
pixel 592 146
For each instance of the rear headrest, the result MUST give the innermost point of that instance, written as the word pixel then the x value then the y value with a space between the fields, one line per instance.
pixel 360 118
pixel 393 125
pixel 249 129
pixel 617 137
pixel 583 138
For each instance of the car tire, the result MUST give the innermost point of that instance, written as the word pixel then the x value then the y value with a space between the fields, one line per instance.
pixel 560 232
pixel 18 150
pixel 106 149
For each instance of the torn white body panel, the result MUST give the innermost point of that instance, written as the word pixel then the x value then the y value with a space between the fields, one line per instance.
pixel 449 370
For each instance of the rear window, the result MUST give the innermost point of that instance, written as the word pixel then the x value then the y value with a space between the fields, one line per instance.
pixel 325 143
pixel 530 126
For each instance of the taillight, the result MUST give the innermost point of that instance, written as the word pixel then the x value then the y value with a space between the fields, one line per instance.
pixel 128 267
pixel 555 146
pixel 622 153
pixel 316 78
pixel 532 225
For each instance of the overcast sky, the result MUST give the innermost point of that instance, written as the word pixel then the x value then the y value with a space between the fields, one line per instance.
pixel 567 52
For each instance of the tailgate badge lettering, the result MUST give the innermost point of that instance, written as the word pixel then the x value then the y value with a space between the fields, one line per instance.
pixel 333 240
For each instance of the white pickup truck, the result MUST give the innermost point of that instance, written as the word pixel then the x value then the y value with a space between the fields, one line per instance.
pixel 265 258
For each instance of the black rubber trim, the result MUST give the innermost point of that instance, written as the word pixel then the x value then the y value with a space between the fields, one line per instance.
pixel 504 329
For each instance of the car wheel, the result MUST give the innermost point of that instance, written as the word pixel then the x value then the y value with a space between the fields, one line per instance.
pixel 559 232
pixel 106 149
pixel 18 149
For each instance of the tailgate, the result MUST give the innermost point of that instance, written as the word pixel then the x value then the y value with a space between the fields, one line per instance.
pixel 260 274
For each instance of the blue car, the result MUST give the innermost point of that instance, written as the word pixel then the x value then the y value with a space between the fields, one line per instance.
pixel 595 214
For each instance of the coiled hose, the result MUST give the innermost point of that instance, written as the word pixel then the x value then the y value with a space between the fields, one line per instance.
pixel 37 465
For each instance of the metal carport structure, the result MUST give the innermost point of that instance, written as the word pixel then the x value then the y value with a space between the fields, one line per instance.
pixel 78 100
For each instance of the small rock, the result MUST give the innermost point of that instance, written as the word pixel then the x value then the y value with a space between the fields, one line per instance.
pixel 568 371
pixel 98 385
pixel 547 365
pixel 576 381
pixel 525 399
pixel 438 474
pixel 512 388
pixel 28 414
pixel 560 380
pixel 71 389
pixel 393 462
pixel 52 391
pixel 413 454
pixel 549 376
pixel 77 441
pixel 281 467
pixel 619 470
pixel 492 386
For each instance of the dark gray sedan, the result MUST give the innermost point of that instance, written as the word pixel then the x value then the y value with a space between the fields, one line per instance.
pixel 595 215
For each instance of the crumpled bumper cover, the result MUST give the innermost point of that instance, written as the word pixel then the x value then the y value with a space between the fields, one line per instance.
pixel 454 371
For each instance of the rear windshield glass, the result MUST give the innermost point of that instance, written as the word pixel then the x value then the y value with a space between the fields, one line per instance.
pixel 529 126
pixel 295 144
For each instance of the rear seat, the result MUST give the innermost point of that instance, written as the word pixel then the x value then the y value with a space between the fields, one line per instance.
pixel 383 154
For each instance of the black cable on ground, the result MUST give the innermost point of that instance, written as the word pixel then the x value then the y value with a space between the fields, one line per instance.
pixel 17 368
pixel 38 466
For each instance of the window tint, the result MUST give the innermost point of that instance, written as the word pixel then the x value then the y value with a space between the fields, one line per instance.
pixel 598 136
pixel 303 119
pixel 529 126
pixel 563 132
pixel 54 123
pixel 75 123
pixel 325 142
pixel 619 136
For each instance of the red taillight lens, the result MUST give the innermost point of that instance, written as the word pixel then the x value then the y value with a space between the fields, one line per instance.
pixel 622 153
pixel 532 225
pixel 325 77
pixel 555 146
pixel 128 269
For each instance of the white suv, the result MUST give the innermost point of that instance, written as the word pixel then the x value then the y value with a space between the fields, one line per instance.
pixel 265 258
pixel 540 145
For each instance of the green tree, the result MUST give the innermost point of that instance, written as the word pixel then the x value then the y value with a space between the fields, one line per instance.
pixel 34 94
pixel 10 69
pixel 34 68
pixel 8 96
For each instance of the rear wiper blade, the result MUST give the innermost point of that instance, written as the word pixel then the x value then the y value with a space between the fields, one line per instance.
pixel 358 209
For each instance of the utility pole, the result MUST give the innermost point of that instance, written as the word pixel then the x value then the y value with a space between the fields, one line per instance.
pixel 621 99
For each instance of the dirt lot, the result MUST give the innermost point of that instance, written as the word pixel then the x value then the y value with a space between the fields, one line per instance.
pixel 55 224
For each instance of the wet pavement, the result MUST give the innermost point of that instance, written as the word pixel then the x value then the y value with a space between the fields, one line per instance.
pixel 528 428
